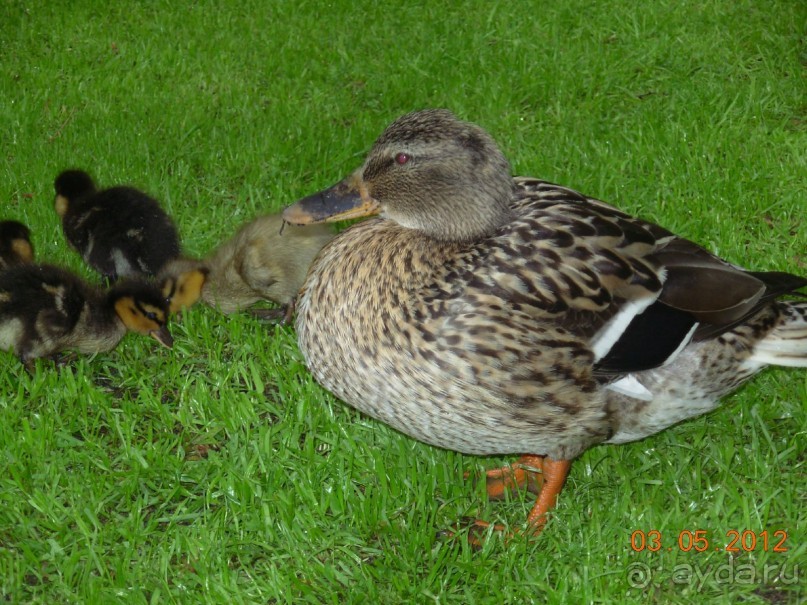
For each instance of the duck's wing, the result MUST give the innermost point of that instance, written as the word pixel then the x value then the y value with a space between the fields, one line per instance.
pixel 633 292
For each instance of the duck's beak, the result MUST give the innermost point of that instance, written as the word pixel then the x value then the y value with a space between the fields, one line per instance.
pixel 163 336
pixel 346 200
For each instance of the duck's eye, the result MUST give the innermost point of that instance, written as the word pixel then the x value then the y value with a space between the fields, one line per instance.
pixel 152 316
pixel 402 158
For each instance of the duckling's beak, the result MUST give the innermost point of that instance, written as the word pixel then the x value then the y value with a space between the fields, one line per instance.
pixel 163 336
pixel 346 200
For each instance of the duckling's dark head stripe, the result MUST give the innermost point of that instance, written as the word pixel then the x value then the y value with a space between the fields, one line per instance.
pixel 142 294
pixel 170 287
pixel 147 312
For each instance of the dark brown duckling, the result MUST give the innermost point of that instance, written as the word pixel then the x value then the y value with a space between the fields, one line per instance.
pixel 265 260
pixel 45 310
pixel 15 244
pixel 119 232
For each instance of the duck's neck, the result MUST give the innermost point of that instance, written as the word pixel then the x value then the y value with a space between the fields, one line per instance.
pixel 378 265
pixel 408 259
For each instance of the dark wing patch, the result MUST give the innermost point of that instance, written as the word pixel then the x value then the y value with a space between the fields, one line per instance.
pixel 648 341
pixel 624 252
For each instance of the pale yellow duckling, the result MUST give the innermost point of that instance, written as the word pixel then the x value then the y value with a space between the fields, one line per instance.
pixel 265 260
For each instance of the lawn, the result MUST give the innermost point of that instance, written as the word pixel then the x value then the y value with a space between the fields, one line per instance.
pixel 220 472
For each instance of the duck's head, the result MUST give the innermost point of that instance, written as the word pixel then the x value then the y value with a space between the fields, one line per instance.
pixel 142 308
pixel 15 241
pixel 69 185
pixel 428 171
pixel 182 281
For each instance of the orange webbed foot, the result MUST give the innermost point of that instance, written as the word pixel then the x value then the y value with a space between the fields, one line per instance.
pixel 540 475
pixel 526 473
pixel 555 473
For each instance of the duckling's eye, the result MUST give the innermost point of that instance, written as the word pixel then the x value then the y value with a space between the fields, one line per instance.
pixel 151 315
pixel 402 158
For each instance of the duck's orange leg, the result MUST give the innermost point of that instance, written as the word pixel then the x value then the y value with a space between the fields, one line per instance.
pixel 555 473
pixel 526 473
pixel 539 474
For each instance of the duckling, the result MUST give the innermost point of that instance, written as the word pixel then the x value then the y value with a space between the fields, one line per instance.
pixel 15 244
pixel 119 232
pixel 181 281
pixel 496 315
pixel 45 310
pixel 265 260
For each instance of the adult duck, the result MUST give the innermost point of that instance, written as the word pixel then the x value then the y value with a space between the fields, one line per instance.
pixel 493 315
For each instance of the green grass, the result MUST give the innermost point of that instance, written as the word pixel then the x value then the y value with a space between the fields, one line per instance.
pixel 220 472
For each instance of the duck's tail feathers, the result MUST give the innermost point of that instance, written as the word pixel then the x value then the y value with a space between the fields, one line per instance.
pixel 786 344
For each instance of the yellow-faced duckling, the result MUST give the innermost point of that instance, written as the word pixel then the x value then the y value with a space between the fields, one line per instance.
pixel 493 315
pixel 15 244
pixel 45 310
pixel 265 260
pixel 182 281
pixel 119 232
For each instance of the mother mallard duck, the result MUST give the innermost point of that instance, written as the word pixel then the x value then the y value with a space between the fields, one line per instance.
pixel 493 315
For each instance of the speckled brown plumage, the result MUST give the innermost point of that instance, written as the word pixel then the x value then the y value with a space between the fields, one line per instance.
pixel 492 315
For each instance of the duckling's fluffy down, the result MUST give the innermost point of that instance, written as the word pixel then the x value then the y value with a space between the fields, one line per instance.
pixel 120 231
pixel 265 260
